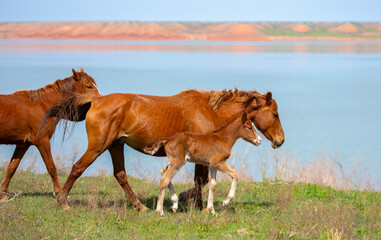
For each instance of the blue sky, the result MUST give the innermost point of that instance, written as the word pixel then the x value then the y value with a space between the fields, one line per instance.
pixel 194 10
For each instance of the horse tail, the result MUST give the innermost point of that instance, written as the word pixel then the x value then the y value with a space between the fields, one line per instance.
pixel 155 147
pixel 70 109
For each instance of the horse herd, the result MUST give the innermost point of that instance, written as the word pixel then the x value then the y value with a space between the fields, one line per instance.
pixel 194 125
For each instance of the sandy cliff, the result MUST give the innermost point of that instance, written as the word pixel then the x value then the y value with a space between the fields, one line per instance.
pixel 213 31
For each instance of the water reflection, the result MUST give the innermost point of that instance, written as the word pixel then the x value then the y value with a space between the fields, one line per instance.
pixel 32 46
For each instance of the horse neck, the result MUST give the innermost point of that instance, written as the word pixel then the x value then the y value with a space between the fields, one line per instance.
pixel 230 132
pixel 50 94
pixel 227 114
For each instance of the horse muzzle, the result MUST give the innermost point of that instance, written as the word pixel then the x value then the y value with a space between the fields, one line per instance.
pixel 257 141
pixel 276 144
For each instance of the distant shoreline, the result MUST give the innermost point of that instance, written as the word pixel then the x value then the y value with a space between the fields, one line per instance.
pixel 194 31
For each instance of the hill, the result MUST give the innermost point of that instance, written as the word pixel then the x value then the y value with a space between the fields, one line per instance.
pixel 194 31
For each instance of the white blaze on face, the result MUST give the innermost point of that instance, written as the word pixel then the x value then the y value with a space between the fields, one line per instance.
pixel 259 140
pixel 97 88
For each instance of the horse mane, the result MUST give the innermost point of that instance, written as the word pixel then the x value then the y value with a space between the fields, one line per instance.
pixel 64 87
pixel 73 108
pixel 217 98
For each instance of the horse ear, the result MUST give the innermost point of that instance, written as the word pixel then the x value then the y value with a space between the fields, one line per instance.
pixel 254 104
pixel 244 117
pixel 75 74
pixel 81 70
pixel 268 98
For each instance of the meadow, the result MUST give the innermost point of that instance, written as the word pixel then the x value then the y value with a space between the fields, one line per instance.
pixel 272 208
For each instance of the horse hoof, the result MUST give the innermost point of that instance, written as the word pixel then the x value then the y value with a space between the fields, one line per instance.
pixel 161 213
pixel 65 207
pixel 3 197
pixel 142 208
pixel 174 210
pixel 209 210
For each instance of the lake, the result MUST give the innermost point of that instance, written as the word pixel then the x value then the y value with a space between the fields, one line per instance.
pixel 328 93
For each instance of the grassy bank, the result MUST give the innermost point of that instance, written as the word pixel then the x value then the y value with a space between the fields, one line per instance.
pixel 262 210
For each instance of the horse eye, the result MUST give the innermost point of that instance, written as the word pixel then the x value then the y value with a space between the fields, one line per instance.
pixel 89 87
pixel 275 115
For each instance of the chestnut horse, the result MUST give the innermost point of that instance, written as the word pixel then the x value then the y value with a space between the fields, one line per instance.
pixel 141 120
pixel 21 114
pixel 210 149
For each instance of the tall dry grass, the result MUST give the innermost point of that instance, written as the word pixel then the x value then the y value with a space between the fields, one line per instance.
pixel 323 169
pixel 31 161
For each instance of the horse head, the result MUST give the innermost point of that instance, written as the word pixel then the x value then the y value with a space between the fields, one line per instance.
pixel 264 114
pixel 84 83
pixel 247 131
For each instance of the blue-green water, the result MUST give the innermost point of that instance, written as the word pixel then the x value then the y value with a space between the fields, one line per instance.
pixel 329 94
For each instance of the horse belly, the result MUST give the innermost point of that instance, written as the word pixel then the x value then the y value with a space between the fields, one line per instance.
pixel 140 144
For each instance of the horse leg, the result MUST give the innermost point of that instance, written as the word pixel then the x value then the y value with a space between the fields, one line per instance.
pixel 212 187
pixel 224 167
pixel 200 179
pixel 46 154
pixel 101 132
pixel 174 198
pixel 77 170
pixel 12 167
pixel 173 168
pixel 117 156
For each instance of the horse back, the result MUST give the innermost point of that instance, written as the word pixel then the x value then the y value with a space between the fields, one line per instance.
pixel 20 118
pixel 141 120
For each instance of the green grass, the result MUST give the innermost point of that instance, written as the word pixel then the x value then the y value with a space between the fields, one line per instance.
pixel 261 210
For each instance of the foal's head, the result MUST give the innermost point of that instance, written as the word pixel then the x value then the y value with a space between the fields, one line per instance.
pixel 248 133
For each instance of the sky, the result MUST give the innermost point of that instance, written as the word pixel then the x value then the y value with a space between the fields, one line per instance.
pixel 190 10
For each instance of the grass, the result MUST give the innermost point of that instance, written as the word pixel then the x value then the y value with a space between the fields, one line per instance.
pixel 271 209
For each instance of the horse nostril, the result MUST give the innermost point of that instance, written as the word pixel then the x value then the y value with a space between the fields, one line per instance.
pixel 278 144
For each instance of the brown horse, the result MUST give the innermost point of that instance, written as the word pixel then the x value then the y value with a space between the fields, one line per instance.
pixel 210 149
pixel 141 120
pixel 21 114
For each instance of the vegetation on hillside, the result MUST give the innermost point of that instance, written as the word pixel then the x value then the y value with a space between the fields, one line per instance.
pixel 194 31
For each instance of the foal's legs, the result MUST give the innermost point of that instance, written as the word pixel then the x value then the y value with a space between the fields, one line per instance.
pixel 200 180
pixel 44 147
pixel 12 166
pixel 224 167
pixel 174 198
pixel 212 187
pixel 173 168
pixel 117 156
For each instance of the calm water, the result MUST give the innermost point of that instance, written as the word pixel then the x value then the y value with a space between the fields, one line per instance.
pixel 329 94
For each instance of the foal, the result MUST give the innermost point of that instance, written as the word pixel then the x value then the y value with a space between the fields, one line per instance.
pixel 210 149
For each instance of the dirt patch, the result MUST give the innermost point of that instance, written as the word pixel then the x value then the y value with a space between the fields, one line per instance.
pixel 301 28
pixel 345 28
